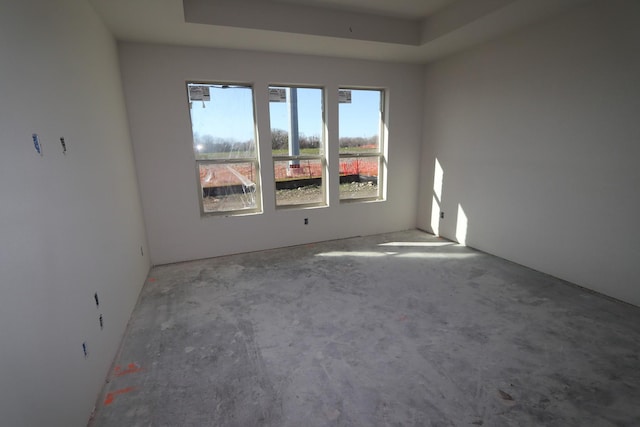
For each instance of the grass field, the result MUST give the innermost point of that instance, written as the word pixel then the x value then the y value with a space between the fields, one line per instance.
pixel 303 152
pixel 282 152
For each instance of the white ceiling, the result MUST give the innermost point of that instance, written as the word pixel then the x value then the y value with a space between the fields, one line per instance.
pixel 412 9
pixel 416 31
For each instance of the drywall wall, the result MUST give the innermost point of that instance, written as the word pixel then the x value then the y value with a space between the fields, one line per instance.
pixel 537 137
pixel 70 224
pixel 154 79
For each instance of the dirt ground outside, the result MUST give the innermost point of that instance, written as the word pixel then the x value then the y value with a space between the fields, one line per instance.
pixel 299 196
pixel 217 175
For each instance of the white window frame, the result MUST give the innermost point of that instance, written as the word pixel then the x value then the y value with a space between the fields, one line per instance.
pixel 255 160
pixel 322 155
pixel 379 155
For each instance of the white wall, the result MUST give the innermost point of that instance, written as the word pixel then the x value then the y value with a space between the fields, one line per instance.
pixel 538 136
pixel 70 225
pixel 154 79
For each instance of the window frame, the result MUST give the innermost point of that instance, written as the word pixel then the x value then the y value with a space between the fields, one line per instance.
pixel 322 155
pixel 380 154
pixel 255 160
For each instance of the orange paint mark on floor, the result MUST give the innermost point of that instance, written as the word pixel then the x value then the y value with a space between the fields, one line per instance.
pixel 131 368
pixel 112 396
pixel 151 280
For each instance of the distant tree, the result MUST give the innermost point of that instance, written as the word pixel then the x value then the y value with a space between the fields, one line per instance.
pixel 210 144
pixel 312 141
pixel 279 139
pixel 206 143
pixel 357 141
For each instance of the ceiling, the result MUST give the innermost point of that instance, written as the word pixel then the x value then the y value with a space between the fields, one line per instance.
pixel 414 31
pixel 412 9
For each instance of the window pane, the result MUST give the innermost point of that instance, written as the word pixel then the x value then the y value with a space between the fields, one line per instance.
pixel 359 120
pixel 298 182
pixel 228 187
pixel 359 177
pixel 296 116
pixel 222 121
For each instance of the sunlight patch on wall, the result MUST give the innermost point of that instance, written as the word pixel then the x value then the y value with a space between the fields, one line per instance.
pixel 438 177
pixel 435 216
pixel 461 226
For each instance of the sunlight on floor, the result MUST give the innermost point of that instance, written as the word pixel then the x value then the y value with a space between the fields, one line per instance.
pixel 354 254
pixel 440 255
pixel 423 255
pixel 417 244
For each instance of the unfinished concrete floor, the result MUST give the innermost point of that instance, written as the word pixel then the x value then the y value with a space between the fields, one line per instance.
pixel 400 329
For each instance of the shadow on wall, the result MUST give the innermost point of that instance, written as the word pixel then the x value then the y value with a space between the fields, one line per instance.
pixel 437 212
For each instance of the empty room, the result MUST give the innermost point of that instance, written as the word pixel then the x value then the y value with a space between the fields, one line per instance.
pixel 319 213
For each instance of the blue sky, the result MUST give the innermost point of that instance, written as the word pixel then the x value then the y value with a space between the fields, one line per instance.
pixel 229 114
pixel 309 113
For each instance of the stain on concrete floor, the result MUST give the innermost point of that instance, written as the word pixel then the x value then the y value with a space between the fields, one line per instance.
pixel 400 329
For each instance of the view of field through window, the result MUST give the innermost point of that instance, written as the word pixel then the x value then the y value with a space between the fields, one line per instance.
pixel 223 125
pixel 224 143
pixel 360 147
pixel 297 145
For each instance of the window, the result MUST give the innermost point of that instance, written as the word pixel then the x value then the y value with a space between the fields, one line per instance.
pixel 297 145
pixel 224 144
pixel 361 124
